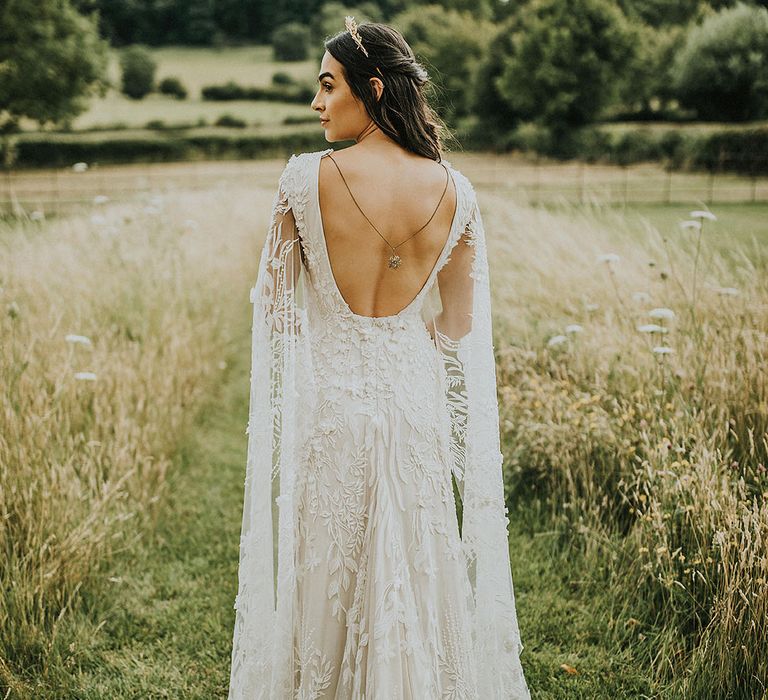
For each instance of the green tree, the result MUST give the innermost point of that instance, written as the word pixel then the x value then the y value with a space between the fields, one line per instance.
pixel 51 61
pixel 647 79
pixel 722 70
pixel 561 61
pixel 290 42
pixel 329 21
pixel 659 13
pixel 138 68
pixel 451 45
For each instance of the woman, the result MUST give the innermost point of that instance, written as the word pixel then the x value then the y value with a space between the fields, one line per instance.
pixel 372 388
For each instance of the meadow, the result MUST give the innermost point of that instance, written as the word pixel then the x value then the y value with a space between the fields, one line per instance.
pixel 631 357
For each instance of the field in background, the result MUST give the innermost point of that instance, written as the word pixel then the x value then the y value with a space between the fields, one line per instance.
pixel 645 188
pixel 646 467
pixel 197 67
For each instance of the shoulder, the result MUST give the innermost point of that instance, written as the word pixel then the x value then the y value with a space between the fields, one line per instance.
pixel 294 180
pixel 464 191
pixel 299 160
pixel 461 179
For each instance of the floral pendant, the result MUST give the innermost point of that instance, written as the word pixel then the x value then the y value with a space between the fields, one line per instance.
pixel 394 261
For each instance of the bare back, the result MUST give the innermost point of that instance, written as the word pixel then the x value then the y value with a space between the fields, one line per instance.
pixel 398 194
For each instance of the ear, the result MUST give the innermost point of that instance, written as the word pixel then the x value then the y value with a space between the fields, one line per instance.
pixel 377 86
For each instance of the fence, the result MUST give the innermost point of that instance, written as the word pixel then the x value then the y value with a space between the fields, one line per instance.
pixel 58 192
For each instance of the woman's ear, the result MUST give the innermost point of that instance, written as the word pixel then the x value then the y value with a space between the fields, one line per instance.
pixel 377 86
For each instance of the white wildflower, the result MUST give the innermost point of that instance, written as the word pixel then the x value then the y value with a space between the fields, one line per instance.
pixel 100 199
pixel 80 167
pixel 86 376
pixel 81 339
pixel 573 328
pixel 701 214
pixel 36 215
pixel 691 223
pixel 592 307
pixel 651 328
pixel 662 350
pixel 608 258
pixel 556 340
pixel 661 312
pixel 728 291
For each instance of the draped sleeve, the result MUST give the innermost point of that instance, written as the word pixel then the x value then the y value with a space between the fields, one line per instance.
pixel 279 407
pixel 462 332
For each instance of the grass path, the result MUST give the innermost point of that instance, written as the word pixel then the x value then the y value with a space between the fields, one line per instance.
pixel 169 622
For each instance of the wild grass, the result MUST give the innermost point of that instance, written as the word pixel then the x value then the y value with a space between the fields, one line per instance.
pixel 116 325
pixel 649 447
pixel 648 467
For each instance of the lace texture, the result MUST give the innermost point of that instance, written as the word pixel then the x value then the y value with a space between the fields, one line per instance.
pixel 356 581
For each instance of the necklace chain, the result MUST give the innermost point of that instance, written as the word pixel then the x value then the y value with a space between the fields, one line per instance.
pixel 394 260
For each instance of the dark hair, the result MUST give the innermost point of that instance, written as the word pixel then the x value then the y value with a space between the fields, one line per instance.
pixel 402 112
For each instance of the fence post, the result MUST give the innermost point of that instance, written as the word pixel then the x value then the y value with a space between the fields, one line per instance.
pixel 626 183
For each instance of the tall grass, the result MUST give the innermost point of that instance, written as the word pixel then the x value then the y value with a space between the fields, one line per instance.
pixel 652 464
pixel 653 460
pixel 115 327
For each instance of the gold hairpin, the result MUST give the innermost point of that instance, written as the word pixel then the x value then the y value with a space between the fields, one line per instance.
pixel 351 25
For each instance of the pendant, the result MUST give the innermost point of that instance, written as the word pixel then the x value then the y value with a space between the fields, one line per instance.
pixel 394 261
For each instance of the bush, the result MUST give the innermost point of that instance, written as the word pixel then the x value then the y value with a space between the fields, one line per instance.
pixel 556 62
pixel 283 78
pixel 450 43
pixel 290 42
pixel 174 87
pixel 138 68
pixel 721 70
pixel 230 121
pixel 232 91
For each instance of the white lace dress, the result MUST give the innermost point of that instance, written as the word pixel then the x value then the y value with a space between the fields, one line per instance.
pixel 376 593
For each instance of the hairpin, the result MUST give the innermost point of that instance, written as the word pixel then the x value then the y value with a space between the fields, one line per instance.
pixel 351 25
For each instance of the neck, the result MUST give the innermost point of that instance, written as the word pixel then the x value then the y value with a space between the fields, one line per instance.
pixel 371 136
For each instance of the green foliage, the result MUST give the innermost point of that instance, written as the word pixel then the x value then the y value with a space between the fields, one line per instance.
pixel 138 69
pixel 329 21
pixel 51 60
pixel 230 121
pixel 562 60
pixel 647 76
pixel 279 93
pixel 722 71
pixel 54 150
pixel 283 78
pixel 657 13
pixel 290 42
pixel 174 87
pixel 451 46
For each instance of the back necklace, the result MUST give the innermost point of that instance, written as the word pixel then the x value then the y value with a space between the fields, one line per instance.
pixel 394 259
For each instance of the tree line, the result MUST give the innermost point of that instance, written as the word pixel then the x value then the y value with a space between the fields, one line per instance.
pixel 545 64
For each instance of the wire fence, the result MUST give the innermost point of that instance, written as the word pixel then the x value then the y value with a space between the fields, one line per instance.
pixel 56 192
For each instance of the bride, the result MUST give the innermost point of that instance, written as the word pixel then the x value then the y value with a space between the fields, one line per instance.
pixel 374 558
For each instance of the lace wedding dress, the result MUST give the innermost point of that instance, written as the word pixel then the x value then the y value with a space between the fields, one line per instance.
pixel 357 581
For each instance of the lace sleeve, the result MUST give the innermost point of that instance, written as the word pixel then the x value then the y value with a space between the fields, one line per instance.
pixel 281 404
pixel 280 269
pixel 462 331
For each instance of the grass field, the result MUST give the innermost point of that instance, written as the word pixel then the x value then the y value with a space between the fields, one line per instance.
pixel 196 68
pixel 636 480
